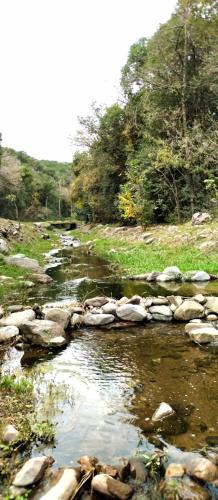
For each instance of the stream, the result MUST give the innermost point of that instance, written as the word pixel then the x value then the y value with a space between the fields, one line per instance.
pixel 102 389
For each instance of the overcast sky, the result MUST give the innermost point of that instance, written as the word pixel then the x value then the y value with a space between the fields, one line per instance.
pixel 57 57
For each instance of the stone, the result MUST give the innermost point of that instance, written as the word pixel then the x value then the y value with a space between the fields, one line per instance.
pixel 22 261
pixel 26 283
pixel 138 470
pixel 189 309
pixel 211 317
pixel 112 488
pixel 160 301
pixel 173 271
pixel 97 319
pixel 175 300
pixel 15 308
pixel 64 486
pixel 204 335
pixel 200 276
pixel 106 469
pixel 60 316
pixel 193 325
pixel 76 320
pixel 43 332
pixel 200 298
pixel 87 462
pixel 161 313
pixel 185 489
pixel 212 304
pixel 8 333
pixel 136 299
pixel 31 472
pixel 109 308
pixel 153 276
pixel 18 318
pixel 42 278
pixel 146 235
pixel 148 241
pixel 10 434
pixel 201 468
pixel 131 312
pixel 164 277
pixel 175 470
pixel 96 302
pixel 1 312
pixel 201 218
pixel 163 411
pixel 3 246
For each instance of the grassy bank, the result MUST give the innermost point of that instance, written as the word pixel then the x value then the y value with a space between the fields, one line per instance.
pixel 136 257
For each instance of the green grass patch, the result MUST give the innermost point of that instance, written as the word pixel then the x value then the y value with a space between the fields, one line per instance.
pixel 136 258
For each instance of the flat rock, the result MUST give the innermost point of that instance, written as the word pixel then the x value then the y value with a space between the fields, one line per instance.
pixel 112 488
pixel 96 301
pixel 189 309
pixel 18 318
pixel 60 316
pixel 131 312
pixel 193 325
pixel 164 277
pixel 22 261
pixel 64 486
pixel 97 319
pixel 204 335
pixel 43 332
pixel 31 472
pixel 163 411
pixel 161 310
pixel 8 333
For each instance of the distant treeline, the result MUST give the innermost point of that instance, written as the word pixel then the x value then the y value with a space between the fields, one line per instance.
pixel 33 189
pixel 152 157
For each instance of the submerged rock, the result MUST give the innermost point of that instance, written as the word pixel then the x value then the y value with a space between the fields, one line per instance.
pixel 31 472
pixel 112 488
pixel 131 312
pixel 163 411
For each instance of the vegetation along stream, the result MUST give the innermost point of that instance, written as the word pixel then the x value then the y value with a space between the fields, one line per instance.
pixel 101 390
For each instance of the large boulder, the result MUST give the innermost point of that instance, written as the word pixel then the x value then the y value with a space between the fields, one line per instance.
pixel 201 218
pixel 22 261
pixel 97 319
pixel 18 318
pixel 44 333
pixel 60 316
pixel 8 333
pixel 31 472
pixel 3 246
pixel 131 312
pixel 189 309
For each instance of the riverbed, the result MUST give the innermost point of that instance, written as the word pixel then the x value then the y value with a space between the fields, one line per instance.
pixel 102 389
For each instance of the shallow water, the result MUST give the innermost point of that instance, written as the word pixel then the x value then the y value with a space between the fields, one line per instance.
pixel 102 389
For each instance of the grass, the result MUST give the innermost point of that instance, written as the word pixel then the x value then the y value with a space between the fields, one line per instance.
pixel 136 257
pixel 21 386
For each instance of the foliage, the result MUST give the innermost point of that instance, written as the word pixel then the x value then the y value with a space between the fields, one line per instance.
pixel 154 158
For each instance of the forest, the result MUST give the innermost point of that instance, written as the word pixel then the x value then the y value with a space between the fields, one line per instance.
pixel 151 157
pixel 33 189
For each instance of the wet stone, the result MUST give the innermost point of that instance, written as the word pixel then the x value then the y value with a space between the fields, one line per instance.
pixel 112 488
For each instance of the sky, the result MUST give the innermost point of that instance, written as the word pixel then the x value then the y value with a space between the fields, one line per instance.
pixel 59 56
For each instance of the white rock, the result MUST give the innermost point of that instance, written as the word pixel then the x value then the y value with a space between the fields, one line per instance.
pixel 204 335
pixel 212 304
pixel 163 310
pixel 31 472
pixel 200 276
pixel 18 318
pixel 8 333
pixel 3 246
pixel 64 488
pixel 131 312
pixel 97 319
pixel 173 271
pixel 76 320
pixel 163 411
pixel 200 298
pixel 109 308
pixel 200 326
pixel 164 277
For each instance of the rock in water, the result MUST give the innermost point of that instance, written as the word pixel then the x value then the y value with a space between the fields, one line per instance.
pixel 204 335
pixel 60 316
pixel 18 318
pixel 200 276
pixel 131 312
pixel 189 309
pixel 43 332
pixel 8 333
pixel 31 472
pixel 212 304
pixel 163 411
pixel 112 488
pixel 97 319
pixel 96 302
pixel 64 488
pixel 201 468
